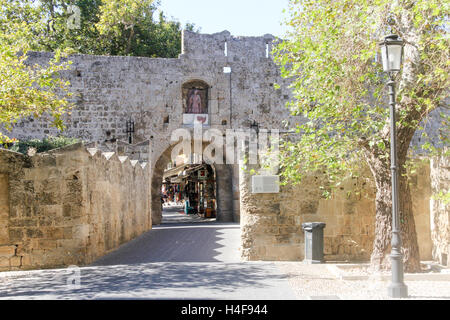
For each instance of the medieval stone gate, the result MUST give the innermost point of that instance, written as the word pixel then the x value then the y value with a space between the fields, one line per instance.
pixel 220 82
pixel 233 76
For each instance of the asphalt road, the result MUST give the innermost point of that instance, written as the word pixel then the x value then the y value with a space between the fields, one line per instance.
pixel 183 258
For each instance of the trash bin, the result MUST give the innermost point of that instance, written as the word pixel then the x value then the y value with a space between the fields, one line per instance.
pixel 313 241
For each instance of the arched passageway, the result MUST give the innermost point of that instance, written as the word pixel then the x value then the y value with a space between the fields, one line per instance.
pixel 188 193
pixel 222 181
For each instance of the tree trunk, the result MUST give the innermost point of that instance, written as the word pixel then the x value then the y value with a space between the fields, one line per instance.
pixel 380 259
pixel 128 48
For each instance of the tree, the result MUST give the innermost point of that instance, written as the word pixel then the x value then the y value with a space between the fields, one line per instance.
pixel 65 31
pixel 330 53
pixel 115 27
pixel 121 20
pixel 127 28
pixel 27 90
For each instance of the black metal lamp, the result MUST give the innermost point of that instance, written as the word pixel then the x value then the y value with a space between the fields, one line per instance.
pixel 255 126
pixel 391 54
pixel 130 130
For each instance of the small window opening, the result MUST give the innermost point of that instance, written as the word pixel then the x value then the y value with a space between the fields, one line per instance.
pixel 166 119
pixel 267 50
pixel 225 51
pixel 224 122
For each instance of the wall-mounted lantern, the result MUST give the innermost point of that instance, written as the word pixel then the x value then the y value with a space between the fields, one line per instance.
pixel 130 130
pixel 255 126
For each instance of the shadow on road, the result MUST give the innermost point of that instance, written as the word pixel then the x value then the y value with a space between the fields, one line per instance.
pixel 144 280
pixel 205 242
pixel 185 260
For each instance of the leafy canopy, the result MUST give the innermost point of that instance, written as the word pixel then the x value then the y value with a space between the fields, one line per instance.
pixel 113 27
pixel 331 55
pixel 27 90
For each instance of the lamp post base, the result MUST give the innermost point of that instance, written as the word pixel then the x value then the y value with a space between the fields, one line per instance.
pixel 397 290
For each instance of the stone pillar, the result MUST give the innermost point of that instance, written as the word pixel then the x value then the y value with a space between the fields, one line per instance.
pixel 440 211
pixel 267 233
pixel 255 218
pixel 236 194
pixel 4 208
pixel 155 192
pixel 224 193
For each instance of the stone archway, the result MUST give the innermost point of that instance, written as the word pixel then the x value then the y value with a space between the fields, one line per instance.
pixel 224 192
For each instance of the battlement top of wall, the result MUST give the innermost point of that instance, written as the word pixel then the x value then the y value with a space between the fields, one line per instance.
pixel 223 44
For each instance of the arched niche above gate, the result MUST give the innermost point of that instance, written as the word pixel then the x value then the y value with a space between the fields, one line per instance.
pixel 195 96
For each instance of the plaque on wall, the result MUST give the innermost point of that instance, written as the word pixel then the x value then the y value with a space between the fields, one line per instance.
pixel 189 118
pixel 266 184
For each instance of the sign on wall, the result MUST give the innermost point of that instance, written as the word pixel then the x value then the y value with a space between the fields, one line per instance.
pixel 202 174
pixel 266 184
pixel 189 118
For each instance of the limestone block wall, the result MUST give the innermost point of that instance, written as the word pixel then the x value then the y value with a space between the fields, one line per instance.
pixel 271 223
pixel 440 211
pixel 68 206
pixel 111 90
pixel 421 192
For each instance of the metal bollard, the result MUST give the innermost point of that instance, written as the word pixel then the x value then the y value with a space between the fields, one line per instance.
pixel 313 241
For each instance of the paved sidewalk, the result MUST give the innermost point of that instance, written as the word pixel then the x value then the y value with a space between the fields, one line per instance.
pixel 198 260
pixel 163 280
pixel 318 282
pixel 175 214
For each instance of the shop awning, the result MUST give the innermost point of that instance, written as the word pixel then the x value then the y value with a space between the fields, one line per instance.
pixel 174 172
pixel 180 172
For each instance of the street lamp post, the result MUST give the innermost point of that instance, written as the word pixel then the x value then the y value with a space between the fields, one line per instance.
pixel 391 54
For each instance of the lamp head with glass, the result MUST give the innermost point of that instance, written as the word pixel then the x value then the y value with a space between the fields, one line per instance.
pixel 391 53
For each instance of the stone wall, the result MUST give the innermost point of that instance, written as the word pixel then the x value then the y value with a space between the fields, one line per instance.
pixel 440 211
pixel 110 90
pixel 68 206
pixel 420 186
pixel 271 223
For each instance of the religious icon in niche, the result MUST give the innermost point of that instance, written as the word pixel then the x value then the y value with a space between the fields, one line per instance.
pixel 196 101
pixel 195 97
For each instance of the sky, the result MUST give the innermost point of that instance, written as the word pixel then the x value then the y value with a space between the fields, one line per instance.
pixel 240 17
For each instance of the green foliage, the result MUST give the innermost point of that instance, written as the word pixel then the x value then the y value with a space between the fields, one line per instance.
pixel 442 196
pixel 113 27
pixel 432 147
pixel 43 145
pixel 60 33
pixel 27 90
pixel 330 53
pixel 116 27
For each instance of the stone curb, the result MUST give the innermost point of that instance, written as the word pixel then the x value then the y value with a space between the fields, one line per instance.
pixel 341 275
